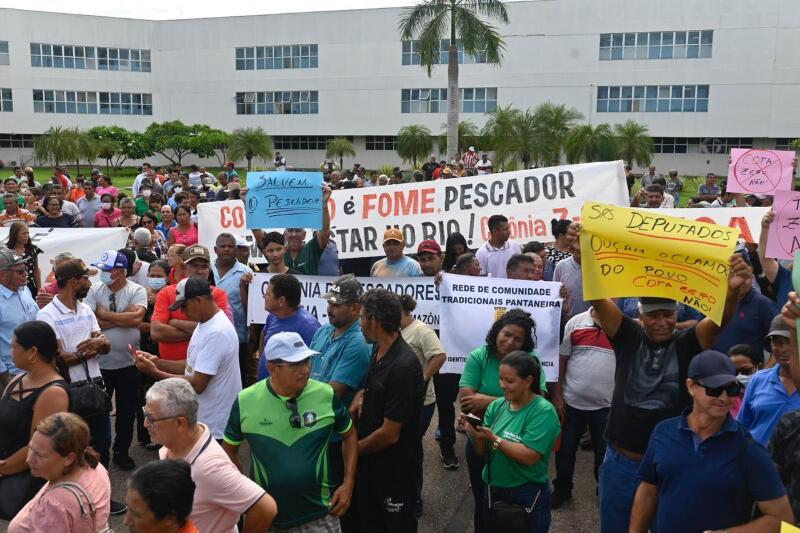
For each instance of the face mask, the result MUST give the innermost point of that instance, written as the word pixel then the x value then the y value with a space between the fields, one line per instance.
pixel 146 193
pixel 106 278
pixel 157 283
pixel 106 205
pixel 744 380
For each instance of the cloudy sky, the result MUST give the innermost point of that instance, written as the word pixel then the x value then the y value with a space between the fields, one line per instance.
pixel 176 9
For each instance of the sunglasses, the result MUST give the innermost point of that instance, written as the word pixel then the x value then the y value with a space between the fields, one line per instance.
pixel 294 420
pixel 733 390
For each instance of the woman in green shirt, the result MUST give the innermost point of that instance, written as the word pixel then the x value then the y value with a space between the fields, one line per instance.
pixel 480 385
pixel 518 434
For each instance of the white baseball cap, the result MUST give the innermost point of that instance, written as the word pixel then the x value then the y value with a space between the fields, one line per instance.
pixel 287 346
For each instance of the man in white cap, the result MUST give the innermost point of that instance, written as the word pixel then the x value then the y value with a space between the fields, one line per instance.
pixel 469 158
pixel 290 419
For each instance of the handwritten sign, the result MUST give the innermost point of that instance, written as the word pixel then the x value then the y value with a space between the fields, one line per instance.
pixel 634 252
pixel 278 199
pixel 788 528
pixel 784 232
pixel 760 171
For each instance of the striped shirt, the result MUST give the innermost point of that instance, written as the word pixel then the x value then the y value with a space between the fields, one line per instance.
pixel 469 159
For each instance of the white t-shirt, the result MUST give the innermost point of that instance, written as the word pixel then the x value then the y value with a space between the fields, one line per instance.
pixel 137 183
pixel 131 294
pixel 214 350
pixel 589 382
pixel 140 278
pixel 72 328
pixel 482 166
pixel 493 260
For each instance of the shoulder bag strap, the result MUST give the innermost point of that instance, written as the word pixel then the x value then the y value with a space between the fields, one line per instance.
pixel 77 490
pixel 85 366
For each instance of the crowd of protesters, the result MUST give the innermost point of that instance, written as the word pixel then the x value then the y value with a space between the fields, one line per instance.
pixel 694 426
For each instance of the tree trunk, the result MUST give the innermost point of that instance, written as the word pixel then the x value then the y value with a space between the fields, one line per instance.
pixel 249 162
pixel 341 162
pixel 77 166
pixel 453 98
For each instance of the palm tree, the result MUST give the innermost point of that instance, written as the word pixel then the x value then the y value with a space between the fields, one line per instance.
pixel 250 143
pixel 340 147
pixel 587 143
pixel 468 135
pixel 514 136
pixel 633 143
pixel 86 148
pixel 434 20
pixel 57 144
pixel 414 142
pixel 554 123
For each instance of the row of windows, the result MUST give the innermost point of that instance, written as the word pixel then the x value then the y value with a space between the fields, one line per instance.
pixel 277 57
pixel 411 55
pixel 700 145
pixel 381 142
pixel 652 99
pixel 785 143
pixel 278 103
pixel 656 45
pixel 13 140
pixel 6 103
pixel 89 57
pixel 302 142
pixel 473 100
pixel 5 59
pixel 89 102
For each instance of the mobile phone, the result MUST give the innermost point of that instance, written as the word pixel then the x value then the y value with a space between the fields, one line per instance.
pixel 474 421
pixel 132 350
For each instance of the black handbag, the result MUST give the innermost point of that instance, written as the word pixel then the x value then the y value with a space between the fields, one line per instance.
pixel 88 397
pixel 16 490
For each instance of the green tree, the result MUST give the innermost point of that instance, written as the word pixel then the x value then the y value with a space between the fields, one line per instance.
pixel 433 20
pixel 414 143
pixel 340 147
pixel 468 135
pixel 117 144
pixel 86 148
pixel 249 143
pixel 514 136
pixel 175 140
pixel 55 145
pixel 590 143
pixel 634 144
pixel 221 141
pixel 553 124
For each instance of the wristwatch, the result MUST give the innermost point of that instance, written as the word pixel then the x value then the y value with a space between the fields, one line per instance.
pixel 496 443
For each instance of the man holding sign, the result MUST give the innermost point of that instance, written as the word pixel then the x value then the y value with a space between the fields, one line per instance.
pixel 650 382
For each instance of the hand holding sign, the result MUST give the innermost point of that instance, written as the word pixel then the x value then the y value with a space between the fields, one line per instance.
pixel 284 200
pixel 760 171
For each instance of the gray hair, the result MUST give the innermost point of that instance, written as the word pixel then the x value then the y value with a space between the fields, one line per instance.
pixel 142 236
pixel 176 397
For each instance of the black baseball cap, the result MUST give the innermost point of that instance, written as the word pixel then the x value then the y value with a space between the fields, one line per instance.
pixel 345 290
pixel 712 369
pixel 187 289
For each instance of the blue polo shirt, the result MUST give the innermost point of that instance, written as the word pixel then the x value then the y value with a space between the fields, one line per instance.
pixel 15 308
pixel 783 284
pixel 749 324
pixel 344 359
pixel 230 284
pixel 703 485
pixel 765 402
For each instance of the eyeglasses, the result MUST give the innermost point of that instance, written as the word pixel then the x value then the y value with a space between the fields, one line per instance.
pixel 296 365
pixel 733 390
pixel 152 420
pixel 294 420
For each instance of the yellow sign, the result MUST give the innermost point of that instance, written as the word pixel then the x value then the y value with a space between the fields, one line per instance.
pixel 788 528
pixel 635 252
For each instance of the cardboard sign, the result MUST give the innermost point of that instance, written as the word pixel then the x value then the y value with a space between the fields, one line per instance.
pixel 630 252
pixel 280 199
pixel 760 171
pixel 784 232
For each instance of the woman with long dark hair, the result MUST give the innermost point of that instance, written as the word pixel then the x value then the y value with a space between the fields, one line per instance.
pixel 455 246
pixel 185 232
pixel 19 240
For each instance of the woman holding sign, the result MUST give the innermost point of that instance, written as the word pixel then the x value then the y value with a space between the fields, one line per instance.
pixel 480 385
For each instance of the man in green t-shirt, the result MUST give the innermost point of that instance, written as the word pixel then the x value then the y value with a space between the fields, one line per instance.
pixel 288 420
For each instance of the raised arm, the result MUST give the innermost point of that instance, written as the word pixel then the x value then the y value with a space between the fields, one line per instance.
pixel 325 233
pixel 707 332
pixel 769 265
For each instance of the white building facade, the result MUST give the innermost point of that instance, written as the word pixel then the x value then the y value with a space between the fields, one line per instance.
pixel 703 76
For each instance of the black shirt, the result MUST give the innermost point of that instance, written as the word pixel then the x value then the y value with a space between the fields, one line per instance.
pixel 649 383
pixel 394 389
pixel 784 445
pixel 428 169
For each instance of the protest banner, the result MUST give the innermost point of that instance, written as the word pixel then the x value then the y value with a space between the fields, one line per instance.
pixel 469 306
pixel 760 171
pixel 229 216
pixel 746 219
pixel 784 232
pixel 632 252
pixel 279 199
pixel 423 289
pixel 85 243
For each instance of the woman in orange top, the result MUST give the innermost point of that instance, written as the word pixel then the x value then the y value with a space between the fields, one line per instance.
pixel 160 498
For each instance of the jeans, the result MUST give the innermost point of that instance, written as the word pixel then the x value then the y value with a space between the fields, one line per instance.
pixel 618 485
pixel 534 496
pixel 446 388
pixel 425 416
pixel 475 465
pixel 123 383
pixel 575 422
pixel 100 440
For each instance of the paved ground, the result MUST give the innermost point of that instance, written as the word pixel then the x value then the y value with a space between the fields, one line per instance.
pixel 448 500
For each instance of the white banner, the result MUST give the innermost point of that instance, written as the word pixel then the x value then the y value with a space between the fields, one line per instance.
pixel 86 243
pixel 214 218
pixel 747 219
pixel 422 289
pixel 470 305
pixel 435 209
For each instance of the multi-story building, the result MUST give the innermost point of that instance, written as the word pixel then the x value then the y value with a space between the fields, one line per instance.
pixel 703 76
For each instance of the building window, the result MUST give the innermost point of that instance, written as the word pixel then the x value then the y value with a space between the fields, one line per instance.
pixel 473 100
pixel 411 53
pixel 277 57
pixel 302 142
pixel 63 56
pixel 699 145
pixel 785 143
pixel 126 104
pixel 652 99
pixel 6 101
pixel 5 59
pixel 381 142
pixel 656 45
pixel 72 102
pixel 12 140
pixel 278 103
pixel 124 59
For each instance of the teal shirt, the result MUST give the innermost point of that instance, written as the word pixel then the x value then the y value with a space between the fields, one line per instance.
pixel 482 373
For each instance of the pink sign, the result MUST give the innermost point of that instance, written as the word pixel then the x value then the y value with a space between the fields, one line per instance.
pixel 784 232
pixel 760 171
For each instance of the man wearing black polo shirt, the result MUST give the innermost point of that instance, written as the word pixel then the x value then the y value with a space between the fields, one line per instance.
pixel 650 383
pixel 388 412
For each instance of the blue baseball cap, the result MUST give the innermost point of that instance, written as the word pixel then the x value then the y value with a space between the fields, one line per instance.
pixel 712 369
pixel 110 260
